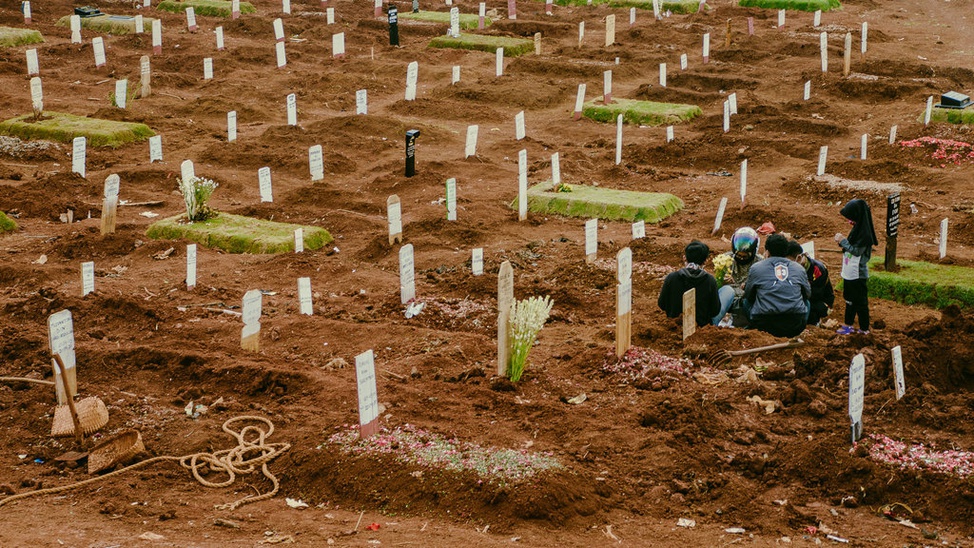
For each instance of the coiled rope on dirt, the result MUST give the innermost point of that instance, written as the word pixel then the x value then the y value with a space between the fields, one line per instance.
pixel 242 459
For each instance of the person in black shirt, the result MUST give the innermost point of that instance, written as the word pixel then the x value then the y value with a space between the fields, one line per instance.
pixel 692 276
pixel 823 296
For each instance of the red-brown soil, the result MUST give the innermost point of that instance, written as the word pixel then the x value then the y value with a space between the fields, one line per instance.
pixel 637 457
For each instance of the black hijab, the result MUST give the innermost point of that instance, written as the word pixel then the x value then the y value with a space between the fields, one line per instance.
pixel 862 234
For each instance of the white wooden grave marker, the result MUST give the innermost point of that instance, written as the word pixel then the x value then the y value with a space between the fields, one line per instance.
pixel 537 43
pixel 191 19
pixel 591 240
pixel 899 382
pixel 943 238
pixel 638 230
pixel 808 90
pixel 482 15
pixel 155 148
pixel 407 274
pixel 362 101
pixel 857 380
pixel 477 261
pixel 817 19
pixel 394 214
pixel 338 45
pixel 781 18
pixel 78 153
pixel 330 16
pixel 299 240
pixel 522 185
pixel 623 301
pixel 250 334
pixel 292 109
pixel 304 296
pixel 455 22
pixel 684 61
pixel 607 87
pixel 377 9
pixel 121 93
pixel 732 103
pixel 720 213
pixel 632 16
pixel 555 170
pixel 98 45
pixel 512 9
pixel 928 111
pixel 470 148
pixel 579 101
pixel 281 55
pixel 36 95
pixel 234 9
pixel 75 29
pixel 499 65
pixel 657 8
pixel 278 30
pixel 662 74
pixel 610 30
pixel 863 34
pixel 60 333
pixel 187 171
pixel 726 116
pixel 892 135
pixel 689 313
pixel 824 49
pixel 190 266
pixel 706 48
pixel 368 396
pixel 286 7
pixel 87 278
pixel 451 199
pixel 412 75
pixel 316 163
pixel 27 15
pixel 847 55
pixel 743 181
pixel 156 36
pixel 139 24
pixel 808 248
pixel 823 154
pixel 581 33
pixel 455 78
pixel 231 126
pixel 220 45
pixel 863 143
pixel 519 132
pixel 618 139
pixel 145 76
pixel 33 68
pixel 109 204
pixel 505 297
pixel 264 180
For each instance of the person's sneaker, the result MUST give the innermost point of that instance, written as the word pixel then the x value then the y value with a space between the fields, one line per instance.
pixel 846 330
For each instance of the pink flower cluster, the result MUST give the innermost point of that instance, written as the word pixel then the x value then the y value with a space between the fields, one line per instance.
pixel 642 363
pixel 411 445
pixel 946 150
pixel 919 457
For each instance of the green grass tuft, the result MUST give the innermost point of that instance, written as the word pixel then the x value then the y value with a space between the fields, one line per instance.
pixel 109 24
pixel 58 126
pixel 239 234
pixel 6 223
pixel 603 203
pixel 675 6
pixel 797 5
pixel 211 8
pixel 10 37
pixel 922 283
pixel 468 21
pixel 512 46
pixel 951 115
pixel 639 112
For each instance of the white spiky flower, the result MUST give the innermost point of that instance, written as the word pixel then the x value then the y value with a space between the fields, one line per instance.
pixel 527 318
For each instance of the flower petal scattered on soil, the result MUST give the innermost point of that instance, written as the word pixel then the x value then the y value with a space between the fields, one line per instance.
pixel 642 363
pixel 919 457
pixel 411 445
pixel 945 150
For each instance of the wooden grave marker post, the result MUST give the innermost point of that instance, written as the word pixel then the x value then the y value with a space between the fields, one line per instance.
pixel 706 48
pixel 155 148
pixel 280 54
pixel 87 278
pixel 455 75
pixel 33 67
pixel 299 240
pixel 368 398
pixel 98 46
pixel 250 334
pixel 451 199
pixel 477 261
pixel 899 381
pixel 264 183
pixel 929 110
pixel 579 101
pixel 847 55
pixel 522 185
pixel 689 313
pixel 27 14
pixel 808 90
pixel 943 238
pixel 505 298
pixel 407 274
pixel 191 19
pixel 291 102
pixel 207 68
pixel 145 77
pixel 623 301
pixel 412 75
pixel 109 204
pixel 892 230
pixel 555 170
pixel 220 45
pixel 139 24
pixel 581 33
pixel 60 330
pixel 190 266
pixel 362 101
pixel 394 214
pixel 638 230
pixel 892 134
pixel 470 148
pixel 519 129
pixel 619 139
pixel 316 162
pixel 743 181
pixel 607 87
pixel 720 214
pixel 823 46
pixel 670 135
pixel 156 36
pixel 662 75
pixel 499 70
pixel 610 30
pixel 36 96
pixel 863 34
pixel 304 296
pixel 823 155
pixel 234 9
pixel 338 45
pixel 231 126
pixel 857 380
pixel 76 29
pixel 591 240
pixel 78 153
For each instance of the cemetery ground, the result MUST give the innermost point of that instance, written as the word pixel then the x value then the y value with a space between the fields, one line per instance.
pixel 666 437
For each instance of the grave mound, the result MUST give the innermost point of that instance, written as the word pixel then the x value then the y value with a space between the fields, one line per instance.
pixel 512 46
pixel 468 21
pixel 110 24
pixel 639 112
pixel 239 234
pixel 798 5
pixel 212 8
pixel 62 127
pixel 11 37
pixel 916 282
pixel 674 6
pixel 951 115
pixel 603 203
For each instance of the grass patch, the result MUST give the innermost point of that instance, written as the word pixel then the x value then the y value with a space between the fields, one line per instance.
pixel 239 234
pixel 10 37
pixel 675 6
pixel 951 115
pixel 468 21
pixel 212 8
pixel 6 223
pixel 797 5
pixel 512 46
pixel 922 283
pixel 109 24
pixel 639 112
pixel 603 203
pixel 58 126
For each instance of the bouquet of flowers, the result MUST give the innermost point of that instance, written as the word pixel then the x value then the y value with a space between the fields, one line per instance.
pixel 722 264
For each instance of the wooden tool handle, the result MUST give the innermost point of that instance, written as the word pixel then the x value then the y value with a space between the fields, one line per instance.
pixel 79 434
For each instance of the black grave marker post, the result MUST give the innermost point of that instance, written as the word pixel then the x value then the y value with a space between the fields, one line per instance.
pixel 411 136
pixel 393 25
pixel 892 229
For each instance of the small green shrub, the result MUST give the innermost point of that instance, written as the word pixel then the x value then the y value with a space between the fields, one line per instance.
pixel 196 193
pixel 6 223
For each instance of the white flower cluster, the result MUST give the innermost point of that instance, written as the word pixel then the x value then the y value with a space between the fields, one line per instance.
pixel 196 192
pixel 527 319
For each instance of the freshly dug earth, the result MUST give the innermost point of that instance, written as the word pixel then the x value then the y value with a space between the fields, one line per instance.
pixel 638 455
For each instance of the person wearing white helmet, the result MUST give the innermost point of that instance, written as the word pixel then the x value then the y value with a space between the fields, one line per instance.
pixel 744 251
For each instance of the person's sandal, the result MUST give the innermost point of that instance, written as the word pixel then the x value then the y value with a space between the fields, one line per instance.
pixel 846 330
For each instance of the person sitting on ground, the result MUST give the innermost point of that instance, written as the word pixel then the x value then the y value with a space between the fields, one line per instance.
pixel 823 296
pixel 777 292
pixel 744 251
pixel 692 276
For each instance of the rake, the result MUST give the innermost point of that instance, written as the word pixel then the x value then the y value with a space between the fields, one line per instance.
pixel 723 357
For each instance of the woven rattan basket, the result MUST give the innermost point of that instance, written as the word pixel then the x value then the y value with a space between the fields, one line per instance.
pixel 114 451
pixel 92 414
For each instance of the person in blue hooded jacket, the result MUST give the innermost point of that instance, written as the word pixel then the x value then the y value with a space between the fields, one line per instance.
pixel 857 250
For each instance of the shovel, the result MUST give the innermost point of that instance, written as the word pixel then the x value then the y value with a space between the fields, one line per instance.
pixel 722 357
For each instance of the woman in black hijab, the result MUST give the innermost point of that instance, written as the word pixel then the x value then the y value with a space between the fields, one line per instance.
pixel 857 250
